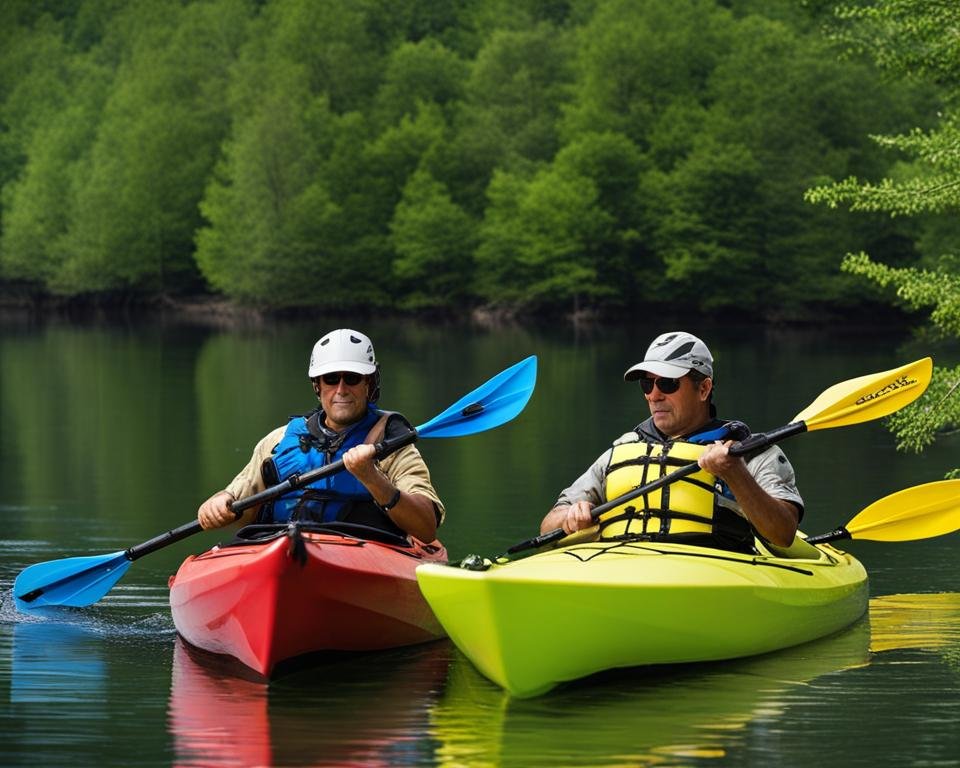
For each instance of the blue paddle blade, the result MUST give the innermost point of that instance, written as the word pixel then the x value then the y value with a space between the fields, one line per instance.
pixel 73 581
pixel 491 404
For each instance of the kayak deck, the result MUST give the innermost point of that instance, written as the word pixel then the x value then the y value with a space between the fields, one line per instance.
pixel 531 624
pixel 269 601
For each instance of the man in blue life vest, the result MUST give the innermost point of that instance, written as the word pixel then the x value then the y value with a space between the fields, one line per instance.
pixel 722 504
pixel 394 494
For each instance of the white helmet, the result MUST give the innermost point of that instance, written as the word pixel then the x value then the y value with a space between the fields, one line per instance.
pixel 342 350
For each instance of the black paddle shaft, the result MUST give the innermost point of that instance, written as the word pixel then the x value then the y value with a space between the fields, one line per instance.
pixel 755 442
pixel 383 449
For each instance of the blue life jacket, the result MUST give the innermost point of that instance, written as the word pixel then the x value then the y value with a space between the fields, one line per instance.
pixel 308 445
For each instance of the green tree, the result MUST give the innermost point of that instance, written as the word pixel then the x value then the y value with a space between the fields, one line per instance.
pixel 413 114
pixel 288 220
pixel 49 115
pixel 709 230
pixel 135 210
pixel 272 219
pixel 295 153
pixel 418 73
pixel 107 198
pixel 392 157
pixel 624 267
pixel 396 22
pixel 913 39
pixel 434 240
pixel 540 239
pixel 633 60
pixel 511 110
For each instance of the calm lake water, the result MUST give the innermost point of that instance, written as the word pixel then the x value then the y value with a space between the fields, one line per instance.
pixel 111 434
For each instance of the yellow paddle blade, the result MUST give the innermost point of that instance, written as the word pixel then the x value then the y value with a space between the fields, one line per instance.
pixel 921 512
pixel 868 397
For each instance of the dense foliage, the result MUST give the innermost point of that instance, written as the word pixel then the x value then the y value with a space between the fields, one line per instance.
pixel 440 154
pixel 917 40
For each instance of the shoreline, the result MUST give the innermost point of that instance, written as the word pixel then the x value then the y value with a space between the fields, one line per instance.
pixel 219 312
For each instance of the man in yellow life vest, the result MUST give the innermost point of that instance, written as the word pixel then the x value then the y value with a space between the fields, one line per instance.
pixel 722 504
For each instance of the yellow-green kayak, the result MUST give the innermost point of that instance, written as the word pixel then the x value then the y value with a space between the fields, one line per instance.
pixel 560 615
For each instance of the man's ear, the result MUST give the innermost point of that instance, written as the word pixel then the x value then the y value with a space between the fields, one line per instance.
pixel 706 387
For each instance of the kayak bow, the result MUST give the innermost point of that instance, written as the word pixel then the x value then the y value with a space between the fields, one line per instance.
pixel 298 591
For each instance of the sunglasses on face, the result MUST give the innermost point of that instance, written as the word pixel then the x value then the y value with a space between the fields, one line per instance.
pixel 350 378
pixel 665 385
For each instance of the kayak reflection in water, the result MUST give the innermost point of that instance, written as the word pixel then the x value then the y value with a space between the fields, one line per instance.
pixel 722 505
pixel 394 495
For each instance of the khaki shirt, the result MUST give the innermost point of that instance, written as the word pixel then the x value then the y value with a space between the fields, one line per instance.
pixel 406 469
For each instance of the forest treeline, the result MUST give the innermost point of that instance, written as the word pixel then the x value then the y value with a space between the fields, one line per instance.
pixel 442 155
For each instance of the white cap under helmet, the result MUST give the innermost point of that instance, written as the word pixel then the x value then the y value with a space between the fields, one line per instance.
pixel 673 355
pixel 342 350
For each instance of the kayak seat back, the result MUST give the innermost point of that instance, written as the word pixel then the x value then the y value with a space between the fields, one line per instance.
pixel 260 532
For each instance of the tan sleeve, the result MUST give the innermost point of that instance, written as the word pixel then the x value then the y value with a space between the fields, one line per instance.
pixel 407 470
pixel 250 480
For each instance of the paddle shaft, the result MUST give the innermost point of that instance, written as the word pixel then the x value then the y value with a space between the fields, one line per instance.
pixel 835 535
pixel 756 442
pixel 383 449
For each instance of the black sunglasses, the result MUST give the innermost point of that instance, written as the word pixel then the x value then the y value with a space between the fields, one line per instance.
pixel 665 385
pixel 350 378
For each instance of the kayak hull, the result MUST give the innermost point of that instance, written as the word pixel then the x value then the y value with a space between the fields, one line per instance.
pixel 267 602
pixel 557 616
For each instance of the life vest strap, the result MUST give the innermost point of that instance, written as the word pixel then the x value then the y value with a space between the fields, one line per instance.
pixel 631 513
pixel 664 460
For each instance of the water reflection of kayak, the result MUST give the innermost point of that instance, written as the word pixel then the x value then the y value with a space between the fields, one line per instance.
pixel 672 714
pixel 277 594
pixel 557 616
pixel 216 718
pixel 351 709
pixel 640 716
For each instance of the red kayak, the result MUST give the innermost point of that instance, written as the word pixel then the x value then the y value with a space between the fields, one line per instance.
pixel 277 592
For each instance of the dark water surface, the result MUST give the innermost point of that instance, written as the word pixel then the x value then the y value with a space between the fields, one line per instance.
pixel 110 435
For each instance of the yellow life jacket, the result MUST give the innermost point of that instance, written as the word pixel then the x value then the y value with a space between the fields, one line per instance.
pixel 686 506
